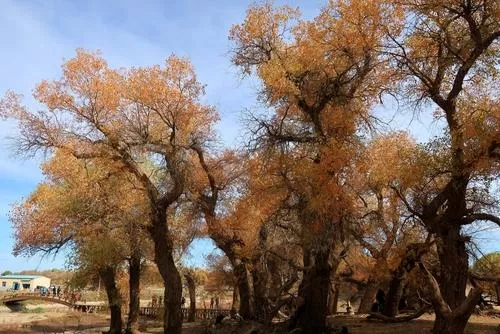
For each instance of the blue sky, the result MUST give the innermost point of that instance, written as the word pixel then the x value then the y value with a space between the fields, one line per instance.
pixel 36 36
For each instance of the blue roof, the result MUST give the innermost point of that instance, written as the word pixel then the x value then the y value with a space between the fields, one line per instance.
pixel 21 276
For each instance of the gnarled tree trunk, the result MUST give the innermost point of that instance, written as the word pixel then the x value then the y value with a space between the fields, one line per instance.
pixel 172 318
pixel 368 297
pixel 314 290
pixel 413 254
pixel 261 278
pixel 333 298
pixel 108 276
pixel 192 296
pixel 453 259
pixel 394 294
pixel 261 295
pixel 245 287
pixel 235 305
pixel 134 290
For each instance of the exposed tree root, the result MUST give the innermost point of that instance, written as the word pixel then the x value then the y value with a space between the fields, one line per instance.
pixel 405 318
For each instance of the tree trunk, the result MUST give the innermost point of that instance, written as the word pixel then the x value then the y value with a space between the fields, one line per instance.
pixel 192 296
pixel 134 289
pixel 108 276
pixel 452 280
pixel 235 306
pixel 311 315
pixel 450 325
pixel 413 254
pixel 396 288
pixel 333 298
pixel 261 282
pixel 454 265
pixel 497 289
pixel 245 288
pixel 172 318
pixel 368 297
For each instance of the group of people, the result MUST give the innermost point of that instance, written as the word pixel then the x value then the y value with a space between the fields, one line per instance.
pixel 52 290
pixel 157 301
pixel 214 302
pixel 73 296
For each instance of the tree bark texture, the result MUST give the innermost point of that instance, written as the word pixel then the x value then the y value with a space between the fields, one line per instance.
pixel 192 296
pixel 134 290
pixel 333 298
pixel 394 294
pixel 453 259
pixel 314 290
pixel 172 318
pixel 261 283
pixel 108 276
pixel 245 287
pixel 235 306
pixel 368 297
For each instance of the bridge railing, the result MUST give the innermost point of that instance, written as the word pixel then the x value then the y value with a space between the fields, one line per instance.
pixel 63 297
pixel 200 314
pixel 148 311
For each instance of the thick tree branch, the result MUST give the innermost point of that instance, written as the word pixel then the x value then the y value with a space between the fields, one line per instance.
pixel 469 219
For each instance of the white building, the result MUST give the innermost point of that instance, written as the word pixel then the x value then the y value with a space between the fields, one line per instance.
pixel 23 282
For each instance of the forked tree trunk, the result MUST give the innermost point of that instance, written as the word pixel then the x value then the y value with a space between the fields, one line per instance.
pixel 368 297
pixel 172 318
pixel 192 296
pixel 134 289
pixel 108 276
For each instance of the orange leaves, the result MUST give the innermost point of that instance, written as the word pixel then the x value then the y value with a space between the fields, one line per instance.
pixel 393 160
pixel 165 101
pixel 88 88
pixel 479 116
pixel 320 77
pixel 10 105
pixel 79 200
pixel 264 29
pixel 94 109
pixel 298 62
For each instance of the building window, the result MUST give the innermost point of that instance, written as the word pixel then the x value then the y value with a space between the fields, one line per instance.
pixel 4 284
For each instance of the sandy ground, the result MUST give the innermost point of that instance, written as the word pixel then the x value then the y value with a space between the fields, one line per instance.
pixel 477 325
pixel 53 319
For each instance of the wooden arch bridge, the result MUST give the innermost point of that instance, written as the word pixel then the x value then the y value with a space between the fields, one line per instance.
pixel 14 298
pixel 92 308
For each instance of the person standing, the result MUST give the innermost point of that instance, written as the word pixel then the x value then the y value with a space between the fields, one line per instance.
pixel 212 302
pixel 153 301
